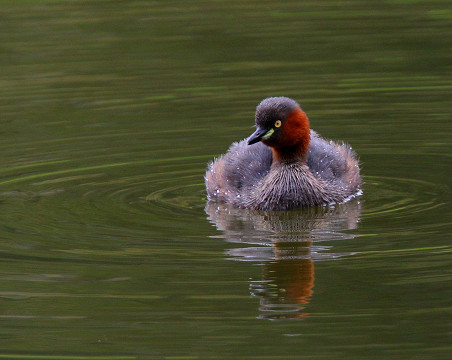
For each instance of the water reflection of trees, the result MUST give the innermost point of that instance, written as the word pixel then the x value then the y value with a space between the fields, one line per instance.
pixel 286 244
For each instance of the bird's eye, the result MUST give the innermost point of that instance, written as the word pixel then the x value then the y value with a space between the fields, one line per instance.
pixel 278 123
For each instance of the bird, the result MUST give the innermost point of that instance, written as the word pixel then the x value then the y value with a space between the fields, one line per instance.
pixel 284 164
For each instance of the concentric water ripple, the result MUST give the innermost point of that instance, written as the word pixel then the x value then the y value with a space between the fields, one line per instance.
pixel 135 191
pixel 76 208
pixel 402 196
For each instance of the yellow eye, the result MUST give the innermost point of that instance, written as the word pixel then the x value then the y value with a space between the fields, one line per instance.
pixel 278 123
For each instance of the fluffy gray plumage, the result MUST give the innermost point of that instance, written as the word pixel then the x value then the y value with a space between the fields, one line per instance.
pixel 246 176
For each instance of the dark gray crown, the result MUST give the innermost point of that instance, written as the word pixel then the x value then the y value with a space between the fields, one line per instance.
pixel 274 108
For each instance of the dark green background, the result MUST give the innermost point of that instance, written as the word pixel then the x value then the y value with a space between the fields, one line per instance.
pixel 110 111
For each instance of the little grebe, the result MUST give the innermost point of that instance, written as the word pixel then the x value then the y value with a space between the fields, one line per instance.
pixel 290 167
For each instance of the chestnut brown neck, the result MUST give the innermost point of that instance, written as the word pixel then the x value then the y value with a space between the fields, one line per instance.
pixel 295 138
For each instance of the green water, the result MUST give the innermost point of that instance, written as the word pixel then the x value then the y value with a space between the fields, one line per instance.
pixel 109 112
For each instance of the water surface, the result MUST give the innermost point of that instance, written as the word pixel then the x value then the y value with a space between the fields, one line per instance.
pixel 111 110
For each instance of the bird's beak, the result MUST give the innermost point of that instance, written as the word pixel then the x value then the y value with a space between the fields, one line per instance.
pixel 260 134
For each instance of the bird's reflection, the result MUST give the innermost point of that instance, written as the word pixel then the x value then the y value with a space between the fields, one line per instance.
pixel 286 244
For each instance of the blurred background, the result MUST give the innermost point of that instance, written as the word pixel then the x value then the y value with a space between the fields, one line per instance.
pixel 109 113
